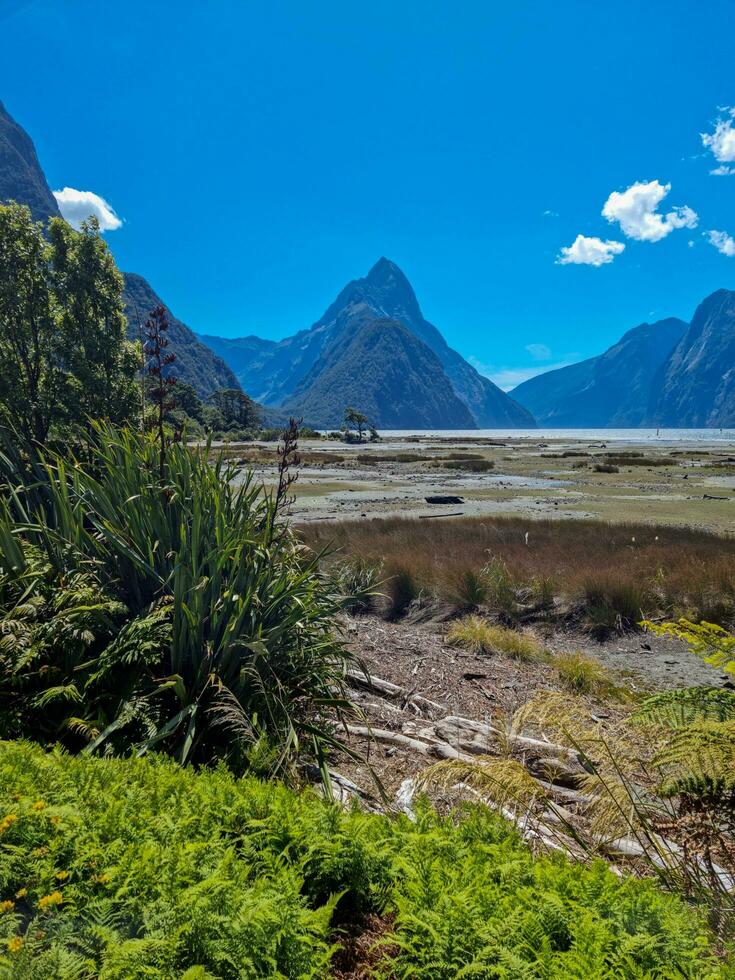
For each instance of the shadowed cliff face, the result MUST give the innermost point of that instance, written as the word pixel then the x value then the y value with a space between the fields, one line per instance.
pixel 696 386
pixel 195 362
pixel 275 374
pixel 21 176
pixel 613 390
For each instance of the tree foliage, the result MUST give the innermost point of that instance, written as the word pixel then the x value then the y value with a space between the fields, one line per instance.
pixel 62 330
pixel 237 410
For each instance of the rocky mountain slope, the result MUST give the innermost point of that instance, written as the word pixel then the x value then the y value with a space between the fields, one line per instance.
pixel 401 381
pixel 695 387
pixel 21 176
pixel 22 179
pixel 275 373
pixel 195 362
pixel 613 390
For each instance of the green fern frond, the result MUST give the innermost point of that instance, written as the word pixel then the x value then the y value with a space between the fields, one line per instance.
pixel 699 759
pixel 684 706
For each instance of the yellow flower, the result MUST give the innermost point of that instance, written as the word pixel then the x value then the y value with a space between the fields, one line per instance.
pixel 102 879
pixel 7 906
pixel 7 822
pixel 21 893
pixel 55 898
pixel 62 875
pixel 38 805
pixel 15 944
pixel 55 821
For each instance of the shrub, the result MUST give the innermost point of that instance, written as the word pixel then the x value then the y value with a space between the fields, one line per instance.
pixel 138 868
pixel 471 589
pixel 582 674
pixel 479 636
pixel 610 606
pixel 470 465
pixel 401 590
pixel 180 614
pixel 359 582
pixel 501 591
pixel 605 468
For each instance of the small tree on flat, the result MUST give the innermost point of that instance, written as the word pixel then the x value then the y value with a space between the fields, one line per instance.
pixel 357 420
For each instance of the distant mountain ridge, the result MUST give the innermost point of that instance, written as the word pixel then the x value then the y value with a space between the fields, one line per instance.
pixel 291 373
pixel 695 387
pixel 613 390
pixel 667 374
pixel 22 180
pixel 401 381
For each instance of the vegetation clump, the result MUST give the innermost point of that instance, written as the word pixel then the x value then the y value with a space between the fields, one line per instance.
pixel 582 674
pixel 139 868
pixel 478 635
pixel 147 601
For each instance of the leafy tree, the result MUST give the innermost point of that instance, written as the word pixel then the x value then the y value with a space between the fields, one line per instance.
pixel 62 330
pixel 357 420
pixel 238 409
pixel 189 401
pixel 32 379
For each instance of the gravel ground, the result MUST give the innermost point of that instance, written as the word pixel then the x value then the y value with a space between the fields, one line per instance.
pixel 490 688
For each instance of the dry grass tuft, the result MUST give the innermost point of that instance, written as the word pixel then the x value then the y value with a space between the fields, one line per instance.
pixel 583 674
pixel 480 636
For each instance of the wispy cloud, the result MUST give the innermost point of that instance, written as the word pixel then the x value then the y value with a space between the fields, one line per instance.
pixel 78 206
pixel 539 352
pixel 722 143
pixel 636 211
pixel 589 251
pixel 724 243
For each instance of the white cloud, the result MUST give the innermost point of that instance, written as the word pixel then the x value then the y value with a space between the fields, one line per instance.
pixel 551 214
pixel 722 143
pixel 77 206
pixel 539 352
pixel 635 210
pixel 724 243
pixel 589 251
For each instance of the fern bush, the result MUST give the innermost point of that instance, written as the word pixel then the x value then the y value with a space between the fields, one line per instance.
pixel 179 614
pixel 117 868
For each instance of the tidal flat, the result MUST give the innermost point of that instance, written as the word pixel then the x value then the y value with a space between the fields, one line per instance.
pixel 685 484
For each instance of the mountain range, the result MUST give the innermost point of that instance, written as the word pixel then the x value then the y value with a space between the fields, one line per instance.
pixel 372 348
pixel 612 390
pixel 666 374
pixel 349 353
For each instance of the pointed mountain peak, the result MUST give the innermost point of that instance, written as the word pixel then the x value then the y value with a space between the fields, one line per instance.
pixel 384 272
pixel 390 291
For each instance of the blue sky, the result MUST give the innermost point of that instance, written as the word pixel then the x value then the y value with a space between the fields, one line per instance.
pixel 262 154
